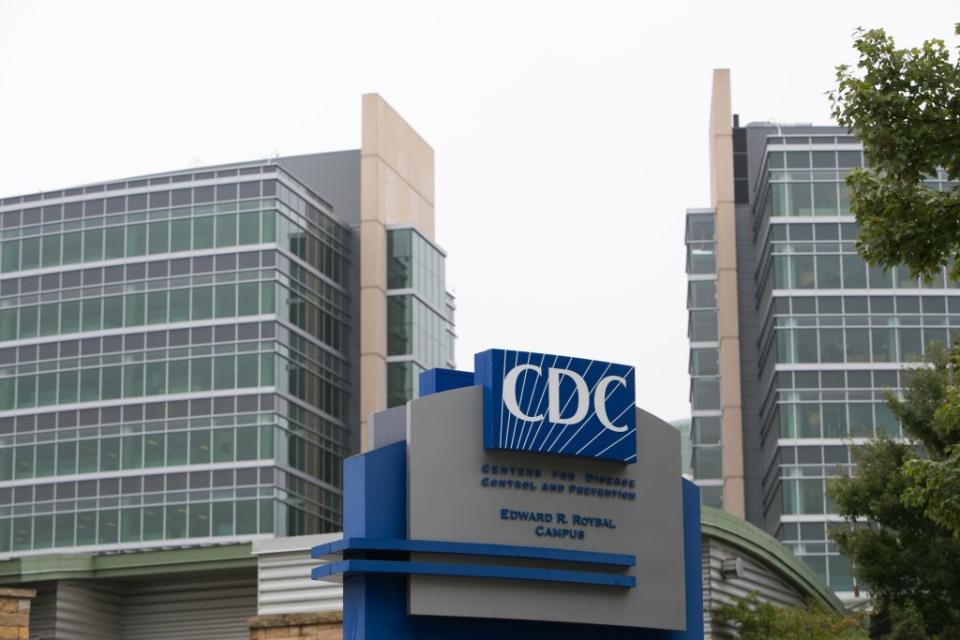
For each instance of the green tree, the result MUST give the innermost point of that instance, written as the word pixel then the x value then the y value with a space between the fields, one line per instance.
pixel 909 561
pixel 758 620
pixel 904 106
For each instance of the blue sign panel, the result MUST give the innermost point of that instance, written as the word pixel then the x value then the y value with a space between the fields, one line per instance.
pixel 562 405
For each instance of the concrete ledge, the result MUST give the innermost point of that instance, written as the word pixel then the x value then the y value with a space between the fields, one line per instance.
pixel 329 618
pixel 18 593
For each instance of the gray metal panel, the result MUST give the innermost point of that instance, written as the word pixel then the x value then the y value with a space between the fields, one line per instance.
pixel 447 502
pixel 283 577
pixel 334 176
pixel 43 612
pixel 718 589
pixel 211 608
pixel 89 611
pixel 386 427
pixel 751 392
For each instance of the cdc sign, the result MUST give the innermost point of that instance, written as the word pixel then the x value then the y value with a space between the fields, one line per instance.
pixel 562 405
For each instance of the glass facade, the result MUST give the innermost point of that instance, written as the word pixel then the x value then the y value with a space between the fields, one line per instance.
pixel 174 361
pixel 419 312
pixel 823 336
pixel 706 453
pixel 836 335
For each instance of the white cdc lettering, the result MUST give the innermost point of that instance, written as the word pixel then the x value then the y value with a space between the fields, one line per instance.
pixel 553 394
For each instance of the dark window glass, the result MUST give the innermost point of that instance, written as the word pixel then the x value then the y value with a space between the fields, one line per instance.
pixel 227 192
pixel 159 199
pixel 203 194
pixel 137 202
pixel 180 197
pixel 116 205
pixel 249 190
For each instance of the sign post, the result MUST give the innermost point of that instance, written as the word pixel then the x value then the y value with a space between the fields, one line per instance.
pixel 528 499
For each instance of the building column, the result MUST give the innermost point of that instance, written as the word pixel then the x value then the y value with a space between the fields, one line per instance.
pixel 396 187
pixel 15 613
pixel 728 324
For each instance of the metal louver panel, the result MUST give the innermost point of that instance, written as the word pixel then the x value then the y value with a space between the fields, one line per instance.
pixel 284 584
pixel 89 611
pixel 185 609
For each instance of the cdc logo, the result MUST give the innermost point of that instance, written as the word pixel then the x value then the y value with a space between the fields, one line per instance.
pixel 562 405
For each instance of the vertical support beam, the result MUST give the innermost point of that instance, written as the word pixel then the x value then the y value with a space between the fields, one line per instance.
pixel 396 187
pixel 728 325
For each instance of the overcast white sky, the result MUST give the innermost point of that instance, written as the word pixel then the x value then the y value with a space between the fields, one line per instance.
pixel 569 137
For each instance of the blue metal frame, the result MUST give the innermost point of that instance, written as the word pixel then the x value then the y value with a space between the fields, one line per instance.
pixel 405 567
pixel 346 545
pixel 375 602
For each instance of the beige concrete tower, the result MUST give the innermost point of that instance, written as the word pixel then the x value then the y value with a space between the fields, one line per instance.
pixel 396 187
pixel 722 198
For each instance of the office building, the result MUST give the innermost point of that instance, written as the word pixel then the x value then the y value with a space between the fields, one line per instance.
pixel 794 339
pixel 187 357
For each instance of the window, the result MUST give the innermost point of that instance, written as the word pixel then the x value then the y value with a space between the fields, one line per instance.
pixel 861 419
pixel 858 345
pixel 226 300
pixel 30 253
pixel 223 445
pixel 226 230
pixel 828 272
pixel 28 321
pixel 200 520
pixel 177 448
pixel 179 305
pixel 247 371
pixel 72 247
pixel 136 239
pixel 203 233
pixel 110 454
pixel 130 525
pixel 91 314
pixel 159 237
pixel 10 256
pixel 703 293
pixel 706 393
pixel 110 383
pixel 800 201
pixel 156 378
pixel 135 309
pixel 113 312
pixel 202 304
pixel 156 307
pixel 132 452
pixel 200 446
pixel 248 298
pixel 180 235
pixel 200 372
pixel 49 319
pixel 854 272
pixel 824 198
pixel 114 242
pixel 249 228
pixel 222 518
pixel 132 380
pixel 805 343
pixel 704 362
pixel 176 522
pixel 224 372
pixel 179 376
pixel 246 443
pixel 66 457
pixel 69 317
pixel 51 250
pixel 246 516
